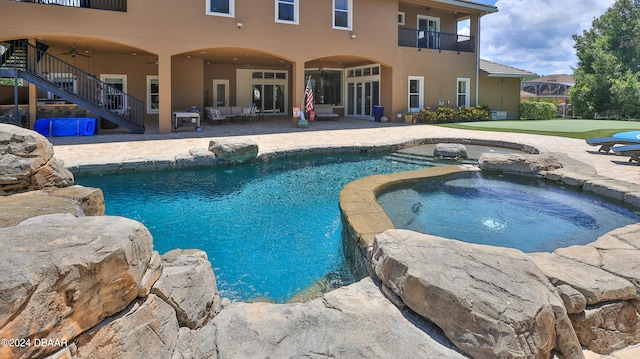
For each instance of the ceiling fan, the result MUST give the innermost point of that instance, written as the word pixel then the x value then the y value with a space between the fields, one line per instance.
pixel 73 52
pixel 155 62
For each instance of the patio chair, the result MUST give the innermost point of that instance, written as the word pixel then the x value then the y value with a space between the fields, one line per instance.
pixel 629 150
pixel 214 114
pixel 606 143
pixel 245 114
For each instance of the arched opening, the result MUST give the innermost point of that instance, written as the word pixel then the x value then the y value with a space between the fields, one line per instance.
pixel 352 85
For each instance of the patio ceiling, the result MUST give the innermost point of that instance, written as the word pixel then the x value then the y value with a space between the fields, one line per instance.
pixel 89 45
pixel 243 57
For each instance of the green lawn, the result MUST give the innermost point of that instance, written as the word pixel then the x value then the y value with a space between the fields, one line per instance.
pixel 558 127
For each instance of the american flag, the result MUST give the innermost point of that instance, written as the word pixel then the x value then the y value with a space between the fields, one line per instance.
pixel 309 95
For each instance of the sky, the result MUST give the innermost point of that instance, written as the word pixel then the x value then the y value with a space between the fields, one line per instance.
pixel 536 35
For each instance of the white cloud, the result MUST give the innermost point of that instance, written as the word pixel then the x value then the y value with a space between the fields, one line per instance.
pixel 536 35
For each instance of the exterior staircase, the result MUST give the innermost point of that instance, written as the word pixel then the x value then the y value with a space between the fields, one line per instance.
pixel 33 64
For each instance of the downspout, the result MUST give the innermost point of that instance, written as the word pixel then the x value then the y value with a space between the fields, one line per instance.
pixel 16 101
pixel 478 61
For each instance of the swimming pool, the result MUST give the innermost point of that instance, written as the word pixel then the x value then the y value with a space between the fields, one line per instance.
pixel 509 211
pixel 270 229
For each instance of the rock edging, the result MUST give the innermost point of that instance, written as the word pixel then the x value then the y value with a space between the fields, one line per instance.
pixel 593 306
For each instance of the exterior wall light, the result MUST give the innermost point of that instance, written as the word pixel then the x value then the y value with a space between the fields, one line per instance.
pixel 353 36
pixel 239 25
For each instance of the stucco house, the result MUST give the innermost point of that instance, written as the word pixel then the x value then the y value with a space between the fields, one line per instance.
pixel 136 62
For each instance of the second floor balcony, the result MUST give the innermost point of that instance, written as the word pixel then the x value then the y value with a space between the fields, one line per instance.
pixel 435 40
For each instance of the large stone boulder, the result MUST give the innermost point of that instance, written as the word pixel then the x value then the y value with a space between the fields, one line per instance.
pixel 188 284
pixel 491 302
pixel 146 329
pixel 450 150
pixel 76 200
pixel 27 162
pixel 614 323
pixel 520 163
pixel 356 321
pixel 596 285
pixel 63 275
pixel 196 344
pixel 234 151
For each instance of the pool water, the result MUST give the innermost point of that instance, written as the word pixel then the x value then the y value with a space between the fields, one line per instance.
pixel 508 211
pixel 270 230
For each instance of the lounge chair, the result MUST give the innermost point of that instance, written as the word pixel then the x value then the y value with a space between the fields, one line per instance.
pixel 628 150
pixel 214 114
pixel 606 143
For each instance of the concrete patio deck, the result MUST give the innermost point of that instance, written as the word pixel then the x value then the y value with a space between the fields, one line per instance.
pixel 278 134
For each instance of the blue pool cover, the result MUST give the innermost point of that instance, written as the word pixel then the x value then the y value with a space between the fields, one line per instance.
pixel 66 126
pixel 630 135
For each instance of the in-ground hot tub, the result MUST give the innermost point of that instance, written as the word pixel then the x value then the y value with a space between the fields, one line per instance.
pixel 529 214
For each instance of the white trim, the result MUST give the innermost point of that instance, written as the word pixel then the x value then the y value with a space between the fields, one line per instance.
pixel 349 19
pixel 420 93
pixel 477 60
pixel 214 92
pixel 401 17
pixel 296 13
pixel 105 78
pixel 467 90
pixel 425 17
pixel 232 9
pixel 470 5
pixel 150 110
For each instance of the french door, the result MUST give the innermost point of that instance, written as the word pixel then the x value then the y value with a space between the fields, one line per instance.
pixel 428 32
pixel 362 96
pixel 269 98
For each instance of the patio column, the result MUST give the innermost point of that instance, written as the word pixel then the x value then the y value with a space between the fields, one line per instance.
pixel 164 82
pixel 298 83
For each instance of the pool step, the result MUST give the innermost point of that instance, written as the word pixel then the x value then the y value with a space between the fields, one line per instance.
pixel 413 159
pixel 424 160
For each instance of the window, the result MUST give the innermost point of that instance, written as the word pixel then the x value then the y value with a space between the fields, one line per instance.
pixel 463 92
pixel 113 96
pixel 401 16
pixel 287 11
pixel 220 7
pixel 416 98
pixel 342 14
pixel 153 95
pixel 364 71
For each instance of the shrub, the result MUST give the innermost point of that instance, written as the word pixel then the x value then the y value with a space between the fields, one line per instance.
pixel 537 110
pixel 448 115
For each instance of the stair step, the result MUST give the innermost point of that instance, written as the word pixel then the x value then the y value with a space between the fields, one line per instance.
pixel 424 160
pixel 411 159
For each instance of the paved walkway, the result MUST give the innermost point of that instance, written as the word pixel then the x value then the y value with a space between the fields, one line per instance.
pixel 277 134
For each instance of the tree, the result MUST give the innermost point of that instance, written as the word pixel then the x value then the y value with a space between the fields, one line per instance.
pixel 608 72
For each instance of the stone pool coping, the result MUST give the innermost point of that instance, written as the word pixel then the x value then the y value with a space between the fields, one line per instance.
pixel 203 158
